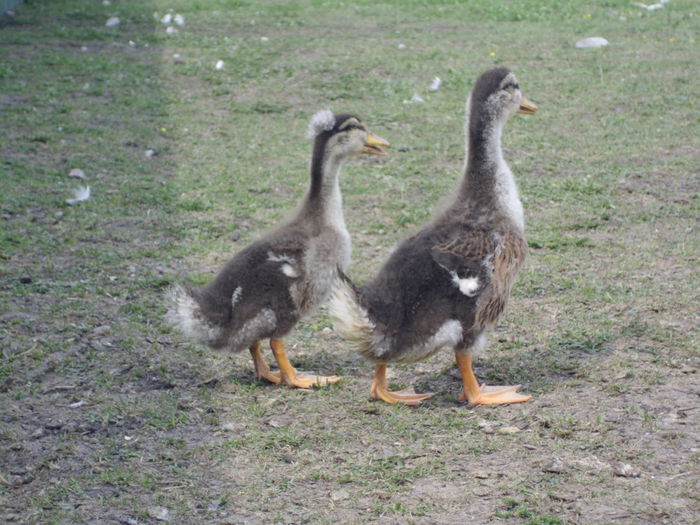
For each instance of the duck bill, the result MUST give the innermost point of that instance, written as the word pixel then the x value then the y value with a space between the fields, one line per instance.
pixel 373 145
pixel 526 107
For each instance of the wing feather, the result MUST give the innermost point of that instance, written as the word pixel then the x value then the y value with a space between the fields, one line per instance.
pixel 494 258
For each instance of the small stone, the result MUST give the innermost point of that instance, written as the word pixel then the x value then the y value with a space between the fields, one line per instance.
pixel 555 467
pixel 77 173
pixel 339 495
pixel 592 42
pixel 112 22
pixel 488 427
pixel 54 425
pixel 481 474
pixel 625 470
pixel 564 496
pixel 508 430
pixel 236 235
pixel 101 330
pixel 279 421
pixel 159 513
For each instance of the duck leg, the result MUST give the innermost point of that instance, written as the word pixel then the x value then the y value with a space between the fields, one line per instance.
pixel 288 374
pixel 262 370
pixel 407 396
pixel 484 395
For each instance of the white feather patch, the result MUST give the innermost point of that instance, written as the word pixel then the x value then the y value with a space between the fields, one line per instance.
pixel 183 314
pixel 280 257
pixel 467 285
pixel 289 271
pixel 236 296
pixel 323 120
pixel 351 320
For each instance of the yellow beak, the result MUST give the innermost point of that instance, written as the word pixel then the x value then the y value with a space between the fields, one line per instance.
pixel 526 107
pixel 373 145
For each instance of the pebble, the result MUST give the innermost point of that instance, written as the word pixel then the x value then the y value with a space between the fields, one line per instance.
pixel 339 495
pixel 555 467
pixel 592 42
pixel 625 470
pixel 159 513
pixel 77 173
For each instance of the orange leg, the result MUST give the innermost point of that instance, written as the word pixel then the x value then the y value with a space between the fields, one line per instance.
pixel 380 390
pixel 484 395
pixel 262 370
pixel 288 374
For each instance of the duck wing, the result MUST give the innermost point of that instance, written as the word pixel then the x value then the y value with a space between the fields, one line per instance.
pixel 482 264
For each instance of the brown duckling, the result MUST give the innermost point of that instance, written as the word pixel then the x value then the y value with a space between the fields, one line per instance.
pixel 445 286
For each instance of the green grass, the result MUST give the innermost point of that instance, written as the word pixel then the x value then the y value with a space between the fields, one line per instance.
pixel 601 328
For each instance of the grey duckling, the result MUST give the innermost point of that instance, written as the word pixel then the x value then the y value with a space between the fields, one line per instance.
pixel 287 274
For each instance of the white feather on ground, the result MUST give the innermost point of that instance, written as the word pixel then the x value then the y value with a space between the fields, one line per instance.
pixel 81 194
pixel 649 7
pixel 415 99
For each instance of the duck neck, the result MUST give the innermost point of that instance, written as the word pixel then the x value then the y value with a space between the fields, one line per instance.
pixel 324 200
pixel 488 182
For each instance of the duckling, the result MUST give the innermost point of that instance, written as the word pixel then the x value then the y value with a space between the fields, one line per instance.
pixel 445 286
pixel 287 274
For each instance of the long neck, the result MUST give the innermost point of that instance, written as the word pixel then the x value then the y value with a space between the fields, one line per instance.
pixel 323 199
pixel 488 182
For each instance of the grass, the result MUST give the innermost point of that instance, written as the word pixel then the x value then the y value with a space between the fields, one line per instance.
pixel 601 328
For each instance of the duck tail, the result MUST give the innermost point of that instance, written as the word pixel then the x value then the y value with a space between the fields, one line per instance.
pixel 350 318
pixel 184 314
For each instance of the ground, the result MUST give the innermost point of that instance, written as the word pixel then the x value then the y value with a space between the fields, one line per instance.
pixel 109 416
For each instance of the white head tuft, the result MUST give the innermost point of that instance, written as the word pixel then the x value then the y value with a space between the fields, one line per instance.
pixel 323 120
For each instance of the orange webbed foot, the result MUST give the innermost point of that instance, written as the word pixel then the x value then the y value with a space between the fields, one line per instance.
pixel 292 378
pixel 495 395
pixel 406 396
pixel 477 394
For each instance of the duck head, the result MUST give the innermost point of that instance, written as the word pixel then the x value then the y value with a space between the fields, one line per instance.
pixel 343 135
pixel 497 96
